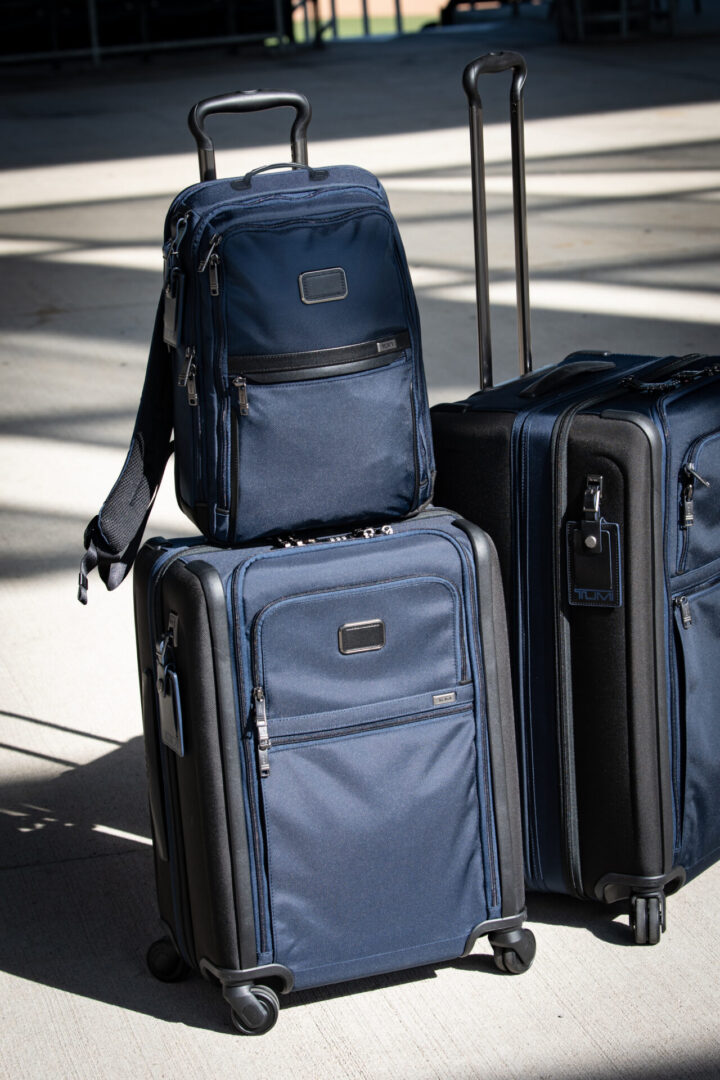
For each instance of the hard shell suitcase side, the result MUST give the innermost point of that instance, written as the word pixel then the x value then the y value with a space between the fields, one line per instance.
pixel 313 826
pixel 577 494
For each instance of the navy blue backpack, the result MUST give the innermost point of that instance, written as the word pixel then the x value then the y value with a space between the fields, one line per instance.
pixel 285 358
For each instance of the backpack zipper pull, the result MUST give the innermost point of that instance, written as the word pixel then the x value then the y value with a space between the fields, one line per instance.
pixel 240 384
pixel 214 244
pixel 263 741
pixel 186 378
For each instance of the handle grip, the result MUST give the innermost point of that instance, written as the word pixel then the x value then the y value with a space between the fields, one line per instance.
pixel 249 101
pixel 561 374
pixel 493 63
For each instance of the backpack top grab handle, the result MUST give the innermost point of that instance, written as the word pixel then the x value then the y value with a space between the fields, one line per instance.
pixel 249 101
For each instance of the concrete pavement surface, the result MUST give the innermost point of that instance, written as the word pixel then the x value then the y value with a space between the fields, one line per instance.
pixel 623 145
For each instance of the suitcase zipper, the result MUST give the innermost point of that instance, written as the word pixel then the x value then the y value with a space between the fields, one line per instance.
pixel 350 729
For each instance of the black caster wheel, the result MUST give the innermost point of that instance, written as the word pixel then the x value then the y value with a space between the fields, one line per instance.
pixel 164 961
pixel 253 1009
pixel 647 919
pixel 514 951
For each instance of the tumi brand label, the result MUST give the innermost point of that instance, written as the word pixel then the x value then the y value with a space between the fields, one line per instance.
pixel 361 637
pixel 321 286
pixel 594 576
pixel 444 699
pixel 387 346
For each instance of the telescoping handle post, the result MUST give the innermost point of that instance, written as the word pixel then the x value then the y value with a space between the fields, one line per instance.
pixel 249 101
pixel 492 63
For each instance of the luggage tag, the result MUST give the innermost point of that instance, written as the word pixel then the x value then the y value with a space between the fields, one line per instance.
pixel 594 578
pixel 168 690
pixel 170 712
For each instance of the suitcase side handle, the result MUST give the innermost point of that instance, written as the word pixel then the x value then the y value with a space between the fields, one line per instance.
pixel 492 63
pixel 249 101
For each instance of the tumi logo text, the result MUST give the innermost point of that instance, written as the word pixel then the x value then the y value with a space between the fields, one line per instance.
pixel 596 596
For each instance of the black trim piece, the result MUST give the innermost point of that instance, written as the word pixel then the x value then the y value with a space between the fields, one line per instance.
pixel 657 560
pixel 614 887
pixel 250 976
pixel 500 717
pixel 289 365
pixel 493 926
pixel 230 757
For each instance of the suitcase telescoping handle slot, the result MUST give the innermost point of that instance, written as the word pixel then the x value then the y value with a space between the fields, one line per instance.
pixel 490 64
pixel 249 101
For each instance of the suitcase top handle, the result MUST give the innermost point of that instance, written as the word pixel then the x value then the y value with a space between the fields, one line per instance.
pixel 492 63
pixel 249 101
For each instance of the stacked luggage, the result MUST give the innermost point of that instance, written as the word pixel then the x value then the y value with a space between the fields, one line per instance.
pixel 327 704
pixel 331 700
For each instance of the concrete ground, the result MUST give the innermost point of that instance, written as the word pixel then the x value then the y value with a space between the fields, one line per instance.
pixel 623 146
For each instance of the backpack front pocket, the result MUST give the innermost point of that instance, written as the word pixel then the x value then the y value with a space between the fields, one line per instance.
pixel 322 437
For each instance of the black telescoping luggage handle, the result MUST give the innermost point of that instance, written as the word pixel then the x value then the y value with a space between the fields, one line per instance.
pixel 249 101
pixel 490 64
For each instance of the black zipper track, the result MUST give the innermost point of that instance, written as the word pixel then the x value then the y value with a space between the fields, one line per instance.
pixel 374 725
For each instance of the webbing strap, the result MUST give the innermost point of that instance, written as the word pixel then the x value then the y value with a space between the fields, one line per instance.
pixel 113 537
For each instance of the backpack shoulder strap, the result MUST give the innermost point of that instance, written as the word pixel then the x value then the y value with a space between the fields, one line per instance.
pixel 113 537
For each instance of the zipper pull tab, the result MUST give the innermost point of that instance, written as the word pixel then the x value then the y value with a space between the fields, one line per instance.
pixel 687 517
pixel 240 384
pixel 213 274
pixel 688 495
pixel 693 474
pixel 214 243
pixel 683 604
pixel 263 740
pixel 186 378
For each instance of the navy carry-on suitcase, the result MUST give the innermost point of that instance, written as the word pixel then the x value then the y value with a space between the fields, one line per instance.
pixel 285 360
pixel 598 480
pixel 331 764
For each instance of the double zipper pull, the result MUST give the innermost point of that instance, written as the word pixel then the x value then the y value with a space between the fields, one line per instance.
pixel 263 738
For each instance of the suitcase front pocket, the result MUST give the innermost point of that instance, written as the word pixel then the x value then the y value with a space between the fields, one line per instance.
pixel 697 635
pixel 373 843
pixel 352 647
pixel 323 443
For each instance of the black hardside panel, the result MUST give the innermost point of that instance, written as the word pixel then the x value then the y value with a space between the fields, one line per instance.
pixel 196 894
pixel 500 717
pixel 156 794
pixel 620 725
pixel 472 456
pixel 201 799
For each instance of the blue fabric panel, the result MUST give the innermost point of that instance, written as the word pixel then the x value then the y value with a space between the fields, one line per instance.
pixel 301 667
pixel 699 657
pixel 364 859
pixel 326 450
pixel 264 312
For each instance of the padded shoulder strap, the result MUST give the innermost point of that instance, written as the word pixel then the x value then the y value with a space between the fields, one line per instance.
pixel 113 537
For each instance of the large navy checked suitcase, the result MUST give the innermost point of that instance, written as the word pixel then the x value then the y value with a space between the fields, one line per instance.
pixel 331 759
pixel 598 480
pixel 286 357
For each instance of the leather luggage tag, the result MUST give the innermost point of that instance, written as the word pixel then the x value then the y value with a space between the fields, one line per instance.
pixel 594 576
